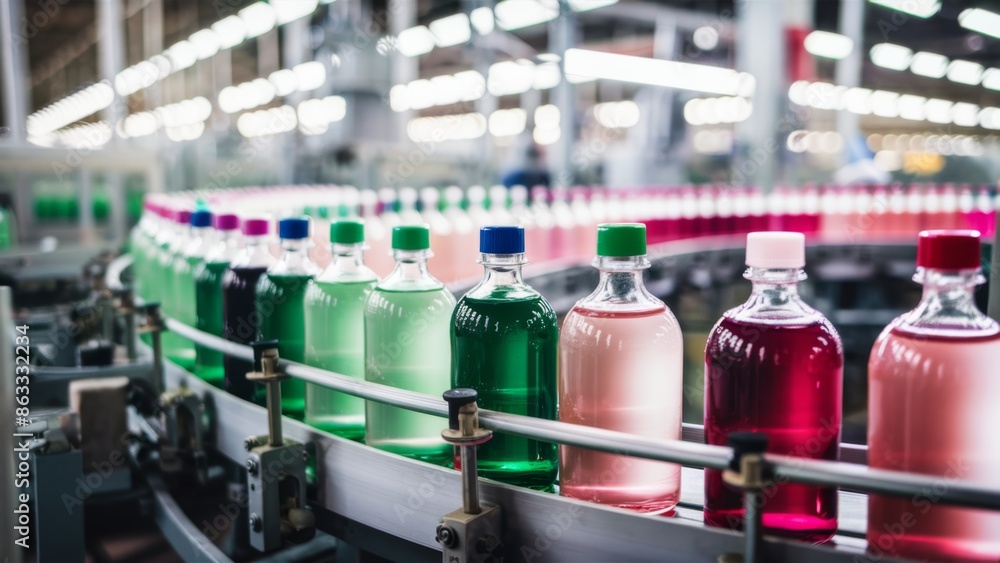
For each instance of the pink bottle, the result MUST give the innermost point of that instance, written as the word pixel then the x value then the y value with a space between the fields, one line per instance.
pixel 540 242
pixel 759 220
pixel 707 222
pixel 563 236
pixel 378 256
pixel 620 368
pixel 741 211
pixel 777 210
pixel 932 408
pixel 810 209
pixel 725 225
pixel 444 264
pixel 586 227
pixel 689 213
pixel 775 365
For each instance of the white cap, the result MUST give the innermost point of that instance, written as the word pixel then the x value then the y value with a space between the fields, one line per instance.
pixel 779 250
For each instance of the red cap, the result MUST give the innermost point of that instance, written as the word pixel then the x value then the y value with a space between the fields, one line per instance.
pixel 948 250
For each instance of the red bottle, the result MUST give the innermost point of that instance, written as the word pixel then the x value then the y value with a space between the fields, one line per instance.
pixel 774 365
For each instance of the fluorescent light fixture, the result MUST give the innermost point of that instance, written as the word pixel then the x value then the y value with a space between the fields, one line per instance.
pixel 447 128
pixel 182 55
pixel 507 122
pixel 965 72
pixel 415 41
pixel 991 79
pixel 547 116
pixel 452 30
pixel 891 56
pixel 267 122
pixel 399 98
pixel 517 14
pixel 938 110
pixel 989 118
pixel 919 8
pixel 206 42
pixel 290 10
pixel 857 100
pixel 446 90
pixel 309 76
pixel 70 109
pixel 259 19
pixel 232 31
pixel 421 94
pixel 511 77
pixel 547 75
pixel 884 103
pixel 656 72
pixel 546 136
pixel 127 81
pixel 980 20
pixel 482 19
pixel 587 5
pixel 617 115
pixel 471 85
pixel 964 114
pixel 828 45
pixel 930 65
pixel 284 81
pixel 912 107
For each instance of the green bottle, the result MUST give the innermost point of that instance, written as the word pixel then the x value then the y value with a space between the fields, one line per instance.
pixel 335 330
pixel 208 294
pixel 407 345
pixel 504 343
pixel 177 348
pixel 163 271
pixel 280 303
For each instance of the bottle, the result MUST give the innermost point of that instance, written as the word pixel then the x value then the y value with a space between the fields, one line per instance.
pixel 407 345
pixel 335 330
pixel 504 341
pixel 171 246
pixel 379 255
pixel 240 322
pixel 543 235
pixel 443 267
pixel 932 408
pixel 208 295
pixel 279 303
pixel 181 350
pixel 463 240
pixel 775 365
pixel 140 246
pixel 620 365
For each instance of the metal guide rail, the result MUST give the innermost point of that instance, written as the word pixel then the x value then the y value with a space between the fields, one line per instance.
pixel 406 498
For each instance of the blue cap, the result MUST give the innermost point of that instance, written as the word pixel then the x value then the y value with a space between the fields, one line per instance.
pixel 501 240
pixel 293 228
pixel 201 218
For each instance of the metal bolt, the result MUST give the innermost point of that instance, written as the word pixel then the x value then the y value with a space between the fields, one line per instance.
pixel 446 536
pixel 252 466
pixel 255 523
pixel 250 443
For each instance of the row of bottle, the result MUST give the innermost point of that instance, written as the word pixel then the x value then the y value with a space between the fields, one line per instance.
pixel 560 224
pixel 773 365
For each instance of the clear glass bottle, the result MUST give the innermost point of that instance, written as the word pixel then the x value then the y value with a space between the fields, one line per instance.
pixel 620 367
pixel 335 330
pixel 407 345
pixel 504 343
pixel 208 294
pixel 775 365
pixel 932 408
pixel 279 302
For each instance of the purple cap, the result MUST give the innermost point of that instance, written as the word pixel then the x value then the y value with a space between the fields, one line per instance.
pixel 182 216
pixel 226 222
pixel 255 227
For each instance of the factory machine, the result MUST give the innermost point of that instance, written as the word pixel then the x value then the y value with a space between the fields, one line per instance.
pixel 113 434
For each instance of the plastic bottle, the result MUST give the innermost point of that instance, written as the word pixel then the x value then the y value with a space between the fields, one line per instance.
pixel 181 350
pixel 335 330
pixel 620 364
pixel 379 255
pixel 932 408
pixel 585 235
pixel 499 206
pixel 504 340
pixel 279 303
pixel 444 266
pixel 407 345
pixel 563 245
pixel 775 365
pixel 208 294
pixel 540 244
pixel 239 285
pixel 463 241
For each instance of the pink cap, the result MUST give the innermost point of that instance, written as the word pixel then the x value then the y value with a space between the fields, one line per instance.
pixel 226 222
pixel 776 250
pixel 182 216
pixel 255 227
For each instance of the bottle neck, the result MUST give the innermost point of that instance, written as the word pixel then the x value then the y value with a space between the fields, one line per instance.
pixel 948 304
pixel 294 258
pixel 775 298
pixel 198 240
pixel 256 254
pixel 410 273
pixel 502 269
pixel 620 287
pixel 348 264
pixel 225 249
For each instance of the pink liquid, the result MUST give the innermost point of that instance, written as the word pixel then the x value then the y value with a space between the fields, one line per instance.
pixel 932 410
pixel 784 381
pixel 621 371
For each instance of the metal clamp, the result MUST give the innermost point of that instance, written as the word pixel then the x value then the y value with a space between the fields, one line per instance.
pixel 748 471
pixel 153 325
pixel 276 468
pixel 472 533
pixel 182 413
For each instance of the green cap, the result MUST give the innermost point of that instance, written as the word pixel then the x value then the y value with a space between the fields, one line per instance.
pixel 347 231
pixel 411 237
pixel 621 239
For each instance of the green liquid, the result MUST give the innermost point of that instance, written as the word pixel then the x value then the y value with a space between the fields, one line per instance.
pixel 208 303
pixel 506 348
pixel 407 346
pixel 335 341
pixel 177 348
pixel 279 304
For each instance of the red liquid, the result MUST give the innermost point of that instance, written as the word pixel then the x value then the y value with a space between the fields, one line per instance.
pixel 240 325
pixel 784 381
pixel 932 410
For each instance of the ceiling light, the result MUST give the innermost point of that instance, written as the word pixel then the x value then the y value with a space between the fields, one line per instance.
pixel 991 79
pixel 893 57
pixel 547 75
pixel 259 19
pixel 912 107
pixel 587 5
pixel 182 55
pixel 446 90
pixel 657 72
pixel 884 103
pixel 309 76
pixel 517 14
pixel 507 122
pixel 421 94
pixel 829 45
pixel 206 43
pixel 229 100
pixel 415 41
pixel 482 19
pixel 511 77
pixel 284 82
pixel 857 100
pixel 471 85
pixel 705 38
pixel 965 72
pixel 232 31
pixel 930 65
pixel 980 20
pixel 964 114
pixel 290 10
pixel 399 98
pixel 452 30
pixel 919 8
pixel 547 116
pixel 938 110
